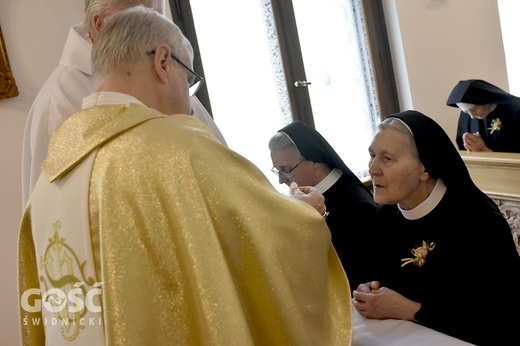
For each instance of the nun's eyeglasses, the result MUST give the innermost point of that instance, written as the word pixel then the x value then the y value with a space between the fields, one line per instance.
pixel 286 174
pixel 194 83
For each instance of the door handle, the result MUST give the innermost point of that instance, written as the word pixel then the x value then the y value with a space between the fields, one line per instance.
pixel 300 83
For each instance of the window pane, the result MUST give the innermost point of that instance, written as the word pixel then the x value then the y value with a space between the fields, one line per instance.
pixel 242 68
pixel 333 65
pixel 508 10
pixel 237 66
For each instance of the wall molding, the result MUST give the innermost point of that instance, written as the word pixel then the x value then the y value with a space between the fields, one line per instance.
pixel 497 174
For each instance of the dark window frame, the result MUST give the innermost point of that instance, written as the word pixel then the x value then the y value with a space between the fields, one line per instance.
pixel 292 60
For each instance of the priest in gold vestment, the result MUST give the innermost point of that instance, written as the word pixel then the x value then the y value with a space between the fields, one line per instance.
pixel 143 229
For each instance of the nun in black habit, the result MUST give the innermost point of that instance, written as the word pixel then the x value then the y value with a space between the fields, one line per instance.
pixel 300 154
pixel 489 111
pixel 450 262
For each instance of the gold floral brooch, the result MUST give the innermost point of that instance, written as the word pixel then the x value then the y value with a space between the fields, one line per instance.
pixel 496 125
pixel 420 254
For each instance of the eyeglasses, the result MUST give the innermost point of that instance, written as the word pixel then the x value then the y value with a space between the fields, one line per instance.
pixel 194 83
pixel 286 174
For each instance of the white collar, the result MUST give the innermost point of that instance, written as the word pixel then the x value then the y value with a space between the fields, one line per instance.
pixel 329 180
pixel 104 98
pixel 428 204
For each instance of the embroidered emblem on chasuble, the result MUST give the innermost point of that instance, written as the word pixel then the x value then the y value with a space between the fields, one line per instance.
pixel 67 291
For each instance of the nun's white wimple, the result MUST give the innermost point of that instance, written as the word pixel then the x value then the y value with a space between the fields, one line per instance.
pixel 465 107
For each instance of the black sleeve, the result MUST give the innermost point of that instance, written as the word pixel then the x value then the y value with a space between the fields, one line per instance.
pixel 462 128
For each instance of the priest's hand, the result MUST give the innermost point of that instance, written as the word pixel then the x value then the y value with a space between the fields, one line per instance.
pixel 473 142
pixel 311 196
pixel 383 303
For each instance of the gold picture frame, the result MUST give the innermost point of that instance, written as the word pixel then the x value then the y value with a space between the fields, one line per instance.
pixel 8 86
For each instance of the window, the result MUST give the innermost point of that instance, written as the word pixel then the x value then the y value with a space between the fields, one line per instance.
pixel 253 51
pixel 508 11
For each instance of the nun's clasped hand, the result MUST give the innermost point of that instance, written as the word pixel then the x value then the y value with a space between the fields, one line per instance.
pixel 373 301
pixel 473 142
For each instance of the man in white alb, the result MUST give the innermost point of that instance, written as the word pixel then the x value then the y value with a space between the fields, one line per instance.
pixel 71 81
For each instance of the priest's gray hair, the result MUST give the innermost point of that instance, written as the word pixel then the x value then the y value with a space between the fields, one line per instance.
pixel 105 8
pixel 282 141
pixel 128 35
pixel 401 126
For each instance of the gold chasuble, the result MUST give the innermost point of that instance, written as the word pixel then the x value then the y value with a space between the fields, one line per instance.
pixel 183 242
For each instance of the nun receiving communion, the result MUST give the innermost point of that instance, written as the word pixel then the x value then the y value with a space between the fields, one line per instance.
pixel 449 260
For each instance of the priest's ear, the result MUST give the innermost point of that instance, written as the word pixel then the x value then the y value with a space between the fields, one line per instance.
pixel 162 62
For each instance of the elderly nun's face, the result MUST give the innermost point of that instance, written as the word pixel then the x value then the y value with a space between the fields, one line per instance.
pixel 291 169
pixel 479 111
pixel 398 176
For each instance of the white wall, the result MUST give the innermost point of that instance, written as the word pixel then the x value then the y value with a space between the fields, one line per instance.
pixel 443 41
pixel 436 43
pixel 34 33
